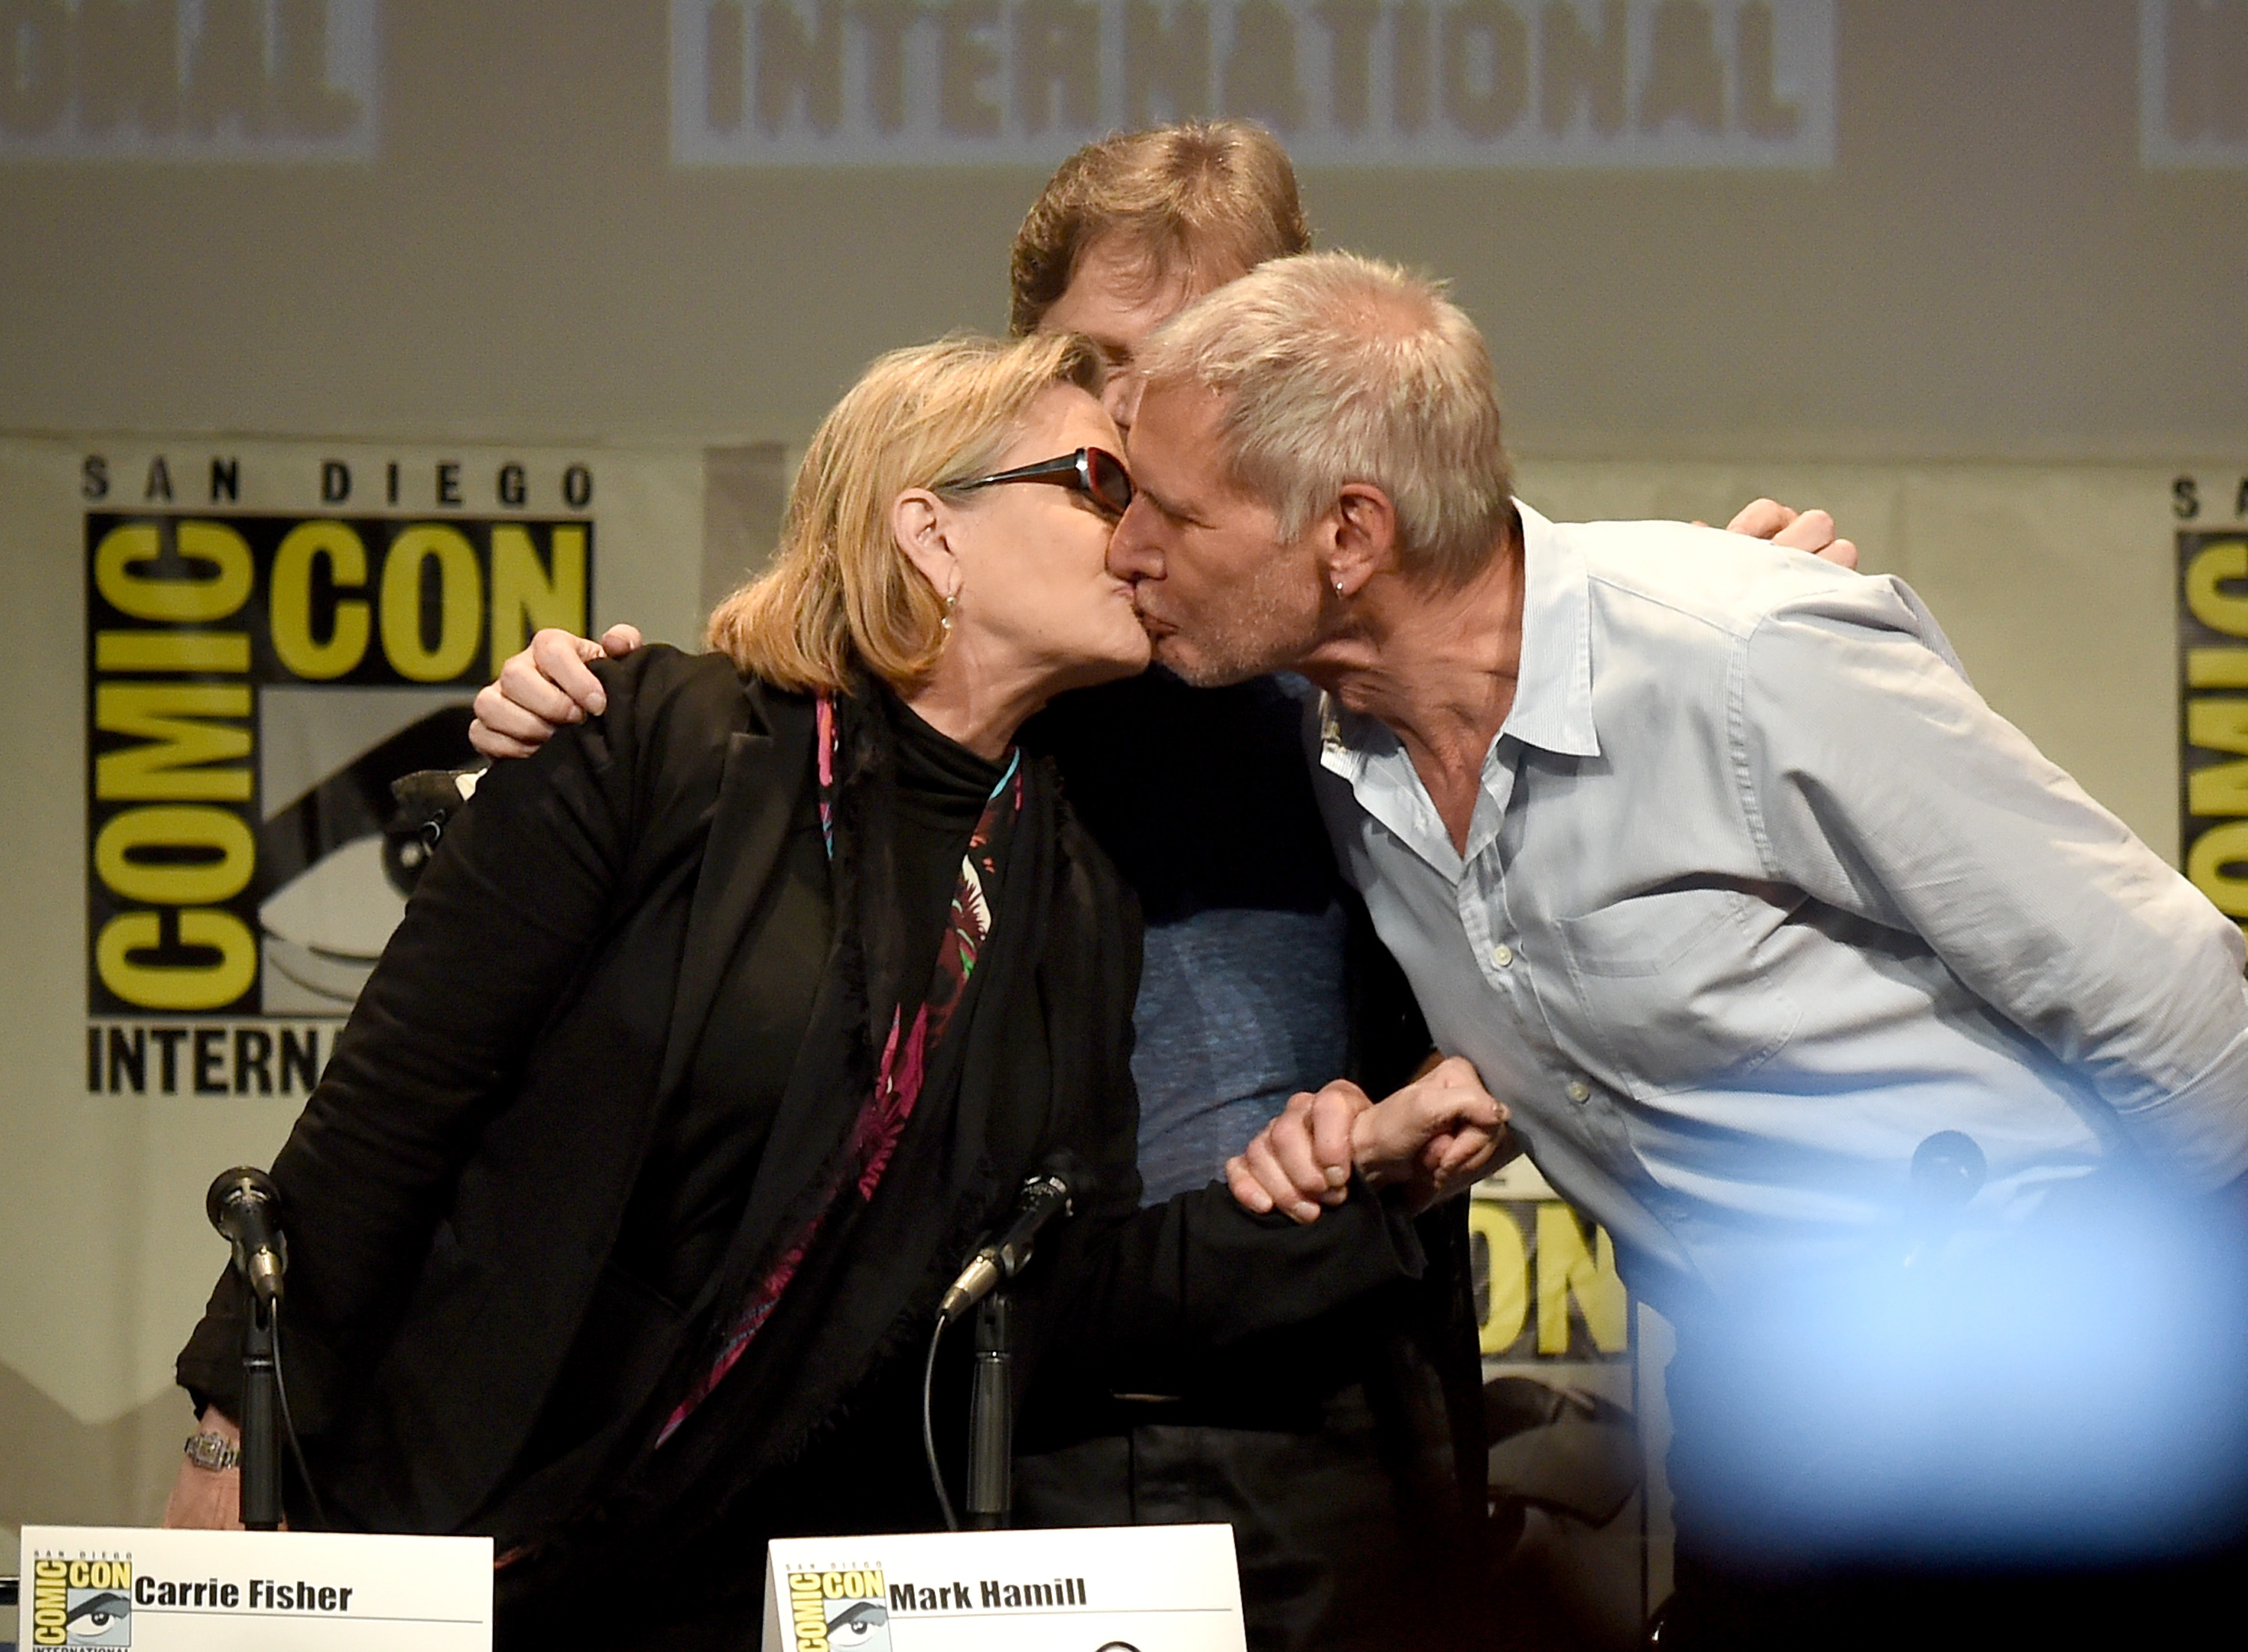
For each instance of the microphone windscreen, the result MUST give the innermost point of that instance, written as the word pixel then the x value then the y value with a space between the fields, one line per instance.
pixel 244 1180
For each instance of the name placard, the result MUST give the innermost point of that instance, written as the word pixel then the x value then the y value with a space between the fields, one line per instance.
pixel 160 1591
pixel 1110 1589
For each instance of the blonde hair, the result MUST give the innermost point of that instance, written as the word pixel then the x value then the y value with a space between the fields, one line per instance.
pixel 840 591
pixel 1336 369
pixel 1207 198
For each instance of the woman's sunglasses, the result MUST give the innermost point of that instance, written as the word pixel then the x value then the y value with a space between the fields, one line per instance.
pixel 1094 472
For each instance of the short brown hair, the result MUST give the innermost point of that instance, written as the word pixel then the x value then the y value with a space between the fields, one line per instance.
pixel 1337 369
pixel 840 591
pixel 1209 197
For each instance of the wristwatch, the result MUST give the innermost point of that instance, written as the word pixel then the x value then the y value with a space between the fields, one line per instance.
pixel 213 1452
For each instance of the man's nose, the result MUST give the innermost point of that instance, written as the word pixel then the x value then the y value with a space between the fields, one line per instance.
pixel 1132 554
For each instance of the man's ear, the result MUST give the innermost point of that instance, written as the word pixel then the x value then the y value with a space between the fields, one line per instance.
pixel 917 521
pixel 1361 538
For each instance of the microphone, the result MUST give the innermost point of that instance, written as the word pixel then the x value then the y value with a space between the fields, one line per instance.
pixel 1948 1170
pixel 245 1207
pixel 1046 1196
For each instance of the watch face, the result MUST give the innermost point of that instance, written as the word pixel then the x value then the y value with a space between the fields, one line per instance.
pixel 211 1451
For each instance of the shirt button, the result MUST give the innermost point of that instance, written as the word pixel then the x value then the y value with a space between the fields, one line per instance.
pixel 1578 1090
pixel 1501 955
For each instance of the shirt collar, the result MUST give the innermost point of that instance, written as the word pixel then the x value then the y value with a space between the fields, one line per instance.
pixel 1553 693
pixel 1553 707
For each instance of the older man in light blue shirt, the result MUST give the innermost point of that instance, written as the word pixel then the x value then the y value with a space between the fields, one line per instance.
pixel 1714 865
pixel 1757 894
pixel 1705 854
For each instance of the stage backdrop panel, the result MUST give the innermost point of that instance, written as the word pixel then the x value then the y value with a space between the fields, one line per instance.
pixel 223 650
pixel 2055 583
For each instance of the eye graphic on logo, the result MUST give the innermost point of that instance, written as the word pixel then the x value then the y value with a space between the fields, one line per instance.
pixel 863 1625
pixel 102 1617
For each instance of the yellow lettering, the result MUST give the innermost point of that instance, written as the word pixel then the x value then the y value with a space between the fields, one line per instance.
pixel 1509 1272
pixel 230 855
pixel 808 1611
pixel 2217 667
pixel 461 601
pixel 2222 725
pixel 2205 580
pixel 180 986
pixel 171 651
pixel 49 1603
pixel 2208 863
pixel 192 601
pixel 526 597
pixel 291 604
pixel 172 765
pixel 1566 1269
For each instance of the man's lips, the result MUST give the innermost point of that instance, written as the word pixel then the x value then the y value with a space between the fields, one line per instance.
pixel 1155 625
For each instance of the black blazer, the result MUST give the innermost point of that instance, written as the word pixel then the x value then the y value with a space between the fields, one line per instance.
pixel 455 1184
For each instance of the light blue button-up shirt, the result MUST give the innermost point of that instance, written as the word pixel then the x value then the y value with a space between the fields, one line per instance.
pixel 1758 895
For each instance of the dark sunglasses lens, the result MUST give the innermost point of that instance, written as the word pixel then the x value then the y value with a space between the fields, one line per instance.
pixel 1107 480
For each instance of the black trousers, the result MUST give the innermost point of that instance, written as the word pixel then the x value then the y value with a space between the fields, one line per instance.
pixel 1329 1560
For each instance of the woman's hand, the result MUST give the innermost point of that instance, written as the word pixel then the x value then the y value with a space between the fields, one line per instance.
pixel 207 1500
pixel 1435 1136
pixel 543 687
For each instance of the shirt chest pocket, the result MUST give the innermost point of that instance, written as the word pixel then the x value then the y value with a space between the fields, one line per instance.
pixel 1673 988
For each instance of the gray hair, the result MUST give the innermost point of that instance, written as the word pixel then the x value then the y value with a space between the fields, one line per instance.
pixel 1338 369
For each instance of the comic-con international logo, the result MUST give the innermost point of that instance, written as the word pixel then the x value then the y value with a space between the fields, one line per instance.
pixel 255 683
pixel 78 1603
pixel 847 1611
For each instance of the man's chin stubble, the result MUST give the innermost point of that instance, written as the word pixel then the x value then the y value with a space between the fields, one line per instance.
pixel 1197 671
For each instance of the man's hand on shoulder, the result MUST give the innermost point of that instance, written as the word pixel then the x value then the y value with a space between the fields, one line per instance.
pixel 1811 531
pixel 1435 1137
pixel 543 687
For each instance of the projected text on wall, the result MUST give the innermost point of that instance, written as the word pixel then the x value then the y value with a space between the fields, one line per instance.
pixel 268 80
pixel 1504 83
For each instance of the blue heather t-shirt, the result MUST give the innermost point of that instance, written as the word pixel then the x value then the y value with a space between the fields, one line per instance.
pixel 1201 798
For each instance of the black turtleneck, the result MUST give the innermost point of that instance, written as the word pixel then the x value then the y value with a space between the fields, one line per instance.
pixel 700 1164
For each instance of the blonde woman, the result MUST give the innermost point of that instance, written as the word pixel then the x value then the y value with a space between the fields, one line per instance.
pixel 716 1032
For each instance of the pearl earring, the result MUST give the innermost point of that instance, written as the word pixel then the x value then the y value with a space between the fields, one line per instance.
pixel 951 602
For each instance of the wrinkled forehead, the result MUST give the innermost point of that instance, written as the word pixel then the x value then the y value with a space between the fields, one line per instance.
pixel 1182 455
pixel 1173 433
